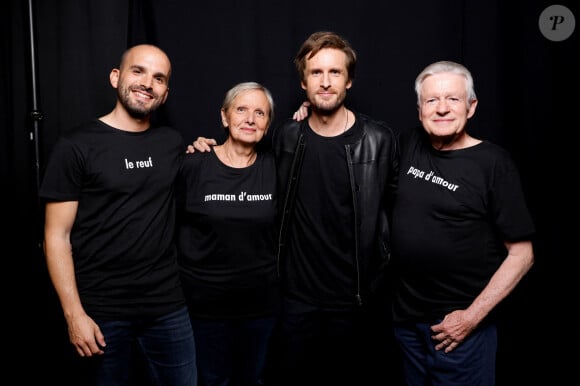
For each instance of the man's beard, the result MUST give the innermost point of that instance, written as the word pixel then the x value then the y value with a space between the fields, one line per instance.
pixel 137 109
pixel 328 107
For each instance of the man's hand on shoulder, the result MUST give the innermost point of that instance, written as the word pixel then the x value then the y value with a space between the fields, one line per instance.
pixel 201 144
pixel 302 111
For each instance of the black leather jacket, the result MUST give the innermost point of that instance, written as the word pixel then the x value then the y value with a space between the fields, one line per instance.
pixel 373 164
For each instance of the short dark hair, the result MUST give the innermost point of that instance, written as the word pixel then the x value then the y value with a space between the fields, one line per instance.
pixel 324 39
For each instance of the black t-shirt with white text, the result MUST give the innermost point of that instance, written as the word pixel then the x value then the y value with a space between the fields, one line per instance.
pixel 453 210
pixel 227 236
pixel 122 238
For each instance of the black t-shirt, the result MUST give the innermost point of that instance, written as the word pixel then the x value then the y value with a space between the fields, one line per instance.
pixel 319 262
pixel 227 236
pixel 453 210
pixel 122 238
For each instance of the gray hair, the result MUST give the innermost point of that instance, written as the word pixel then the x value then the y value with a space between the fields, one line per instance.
pixel 247 86
pixel 446 66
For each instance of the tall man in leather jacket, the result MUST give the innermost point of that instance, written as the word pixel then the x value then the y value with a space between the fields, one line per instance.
pixel 336 171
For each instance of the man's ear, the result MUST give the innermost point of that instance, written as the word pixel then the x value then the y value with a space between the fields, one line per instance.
pixel 114 77
pixel 471 109
pixel 165 96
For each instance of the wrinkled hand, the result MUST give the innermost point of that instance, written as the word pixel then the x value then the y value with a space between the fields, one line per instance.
pixel 86 336
pixel 201 144
pixel 452 330
pixel 302 111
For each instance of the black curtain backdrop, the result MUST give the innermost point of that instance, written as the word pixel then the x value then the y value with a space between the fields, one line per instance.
pixel 525 84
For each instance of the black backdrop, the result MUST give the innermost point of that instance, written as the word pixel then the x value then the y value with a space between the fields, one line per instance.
pixel 525 84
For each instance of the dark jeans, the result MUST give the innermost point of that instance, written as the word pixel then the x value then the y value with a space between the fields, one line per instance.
pixel 320 347
pixel 232 352
pixel 471 363
pixel 166 344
